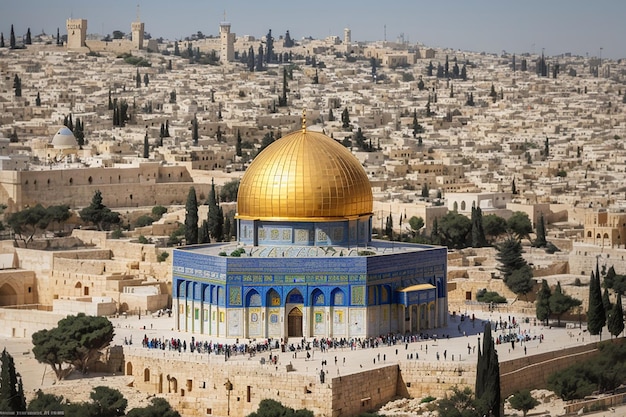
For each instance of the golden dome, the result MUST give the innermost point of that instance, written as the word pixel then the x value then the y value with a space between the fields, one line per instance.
pixel 304 176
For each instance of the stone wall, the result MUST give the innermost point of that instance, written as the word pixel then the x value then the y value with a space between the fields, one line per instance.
pixel 23 323
pixel 194 384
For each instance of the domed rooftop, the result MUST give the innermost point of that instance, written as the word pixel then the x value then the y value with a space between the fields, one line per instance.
pixel 304 176
pixel 64 138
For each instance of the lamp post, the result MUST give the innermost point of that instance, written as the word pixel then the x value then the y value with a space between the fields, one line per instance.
pixel 229 388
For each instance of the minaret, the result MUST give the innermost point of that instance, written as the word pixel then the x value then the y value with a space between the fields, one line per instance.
pixel 227 42
pixel 347 36
pixel 76 33
pixel 137 31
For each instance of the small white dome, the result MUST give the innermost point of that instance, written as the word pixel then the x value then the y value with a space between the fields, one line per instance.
pixel 64 139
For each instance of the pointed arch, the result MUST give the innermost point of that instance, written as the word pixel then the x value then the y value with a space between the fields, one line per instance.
pixel 338 297
pixel 317 298
pixel 253 298
pixel 8 295
pixel 272 298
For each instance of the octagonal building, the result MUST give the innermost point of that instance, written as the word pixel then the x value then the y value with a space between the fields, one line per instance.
pixel 305 264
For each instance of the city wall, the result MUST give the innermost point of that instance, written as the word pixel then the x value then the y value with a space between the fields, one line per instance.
pixel 195 384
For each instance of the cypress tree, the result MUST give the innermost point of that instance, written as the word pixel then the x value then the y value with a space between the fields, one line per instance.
pixel 191 217
pixel 204 233
pixel 606 304
pixel 11 390
pixel 12 39
pixel 1 40
pixel 238 145
pixel 17 85
pixel 138 79
pixel 194 130
pixel 616 318
pixel 488 374
pixel 543 302
pixel 541 242
pixel 28 40
pixel 478 233
pixel 167 128
pixel 146 146
pixel 596 318
pixel 58 37
pixel 213 213
pixel 38 100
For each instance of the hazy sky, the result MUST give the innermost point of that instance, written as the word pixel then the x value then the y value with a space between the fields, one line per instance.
pixel 593 27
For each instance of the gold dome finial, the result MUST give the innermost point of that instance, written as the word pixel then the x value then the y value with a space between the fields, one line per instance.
pixel 304 120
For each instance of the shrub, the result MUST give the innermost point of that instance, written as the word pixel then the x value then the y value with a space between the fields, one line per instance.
pixel 485 296
pixel 162 256
pixel 237 252
pixel 143 221
pixel 143 240
pixel 158 211
pixel 117 233
pixel 428 399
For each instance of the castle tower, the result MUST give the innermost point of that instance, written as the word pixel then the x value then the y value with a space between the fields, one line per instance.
pixel 76 33
pixel 347 36
pixel 227 43
pixel 137 30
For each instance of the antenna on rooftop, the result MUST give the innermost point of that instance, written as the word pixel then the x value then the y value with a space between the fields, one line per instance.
pixel 385 34
pixel 224 15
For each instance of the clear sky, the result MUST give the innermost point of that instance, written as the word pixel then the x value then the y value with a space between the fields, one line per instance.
pixel 593 27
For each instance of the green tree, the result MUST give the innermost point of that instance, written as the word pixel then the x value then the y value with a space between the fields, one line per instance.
pixel 238 151
pixel 331 116
pixel 159 407
pixel 11 390
pixel 158 211
pixel 138 79
pixel 494 226
pixel 26 223
pixel 540 241
pixel 606 304
pixel 194 130
pixel 345 119
pixel 523 401
pixel 416 224
pixel 203 233
pixel 273 408
pixel 38 100
pixel 146 146
pixel 99 214
pixel 17 85
pixel 417 128
pixel 12 43
pixel 146 79
pixel 516 272
pixel 478 233
pixel 76 342
pixel 488 374
pixel 215 217
pixel 389 227
pixel 229 191
pixel 46 402
pixel 107 402
pixel 543 302
pixel 519 224
pixel 58 214
pixel 616 318
pixel 454 229
pixel 191 218
pixel 596 319
pixel 460 403
pixel 425 191
pixel 561 303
